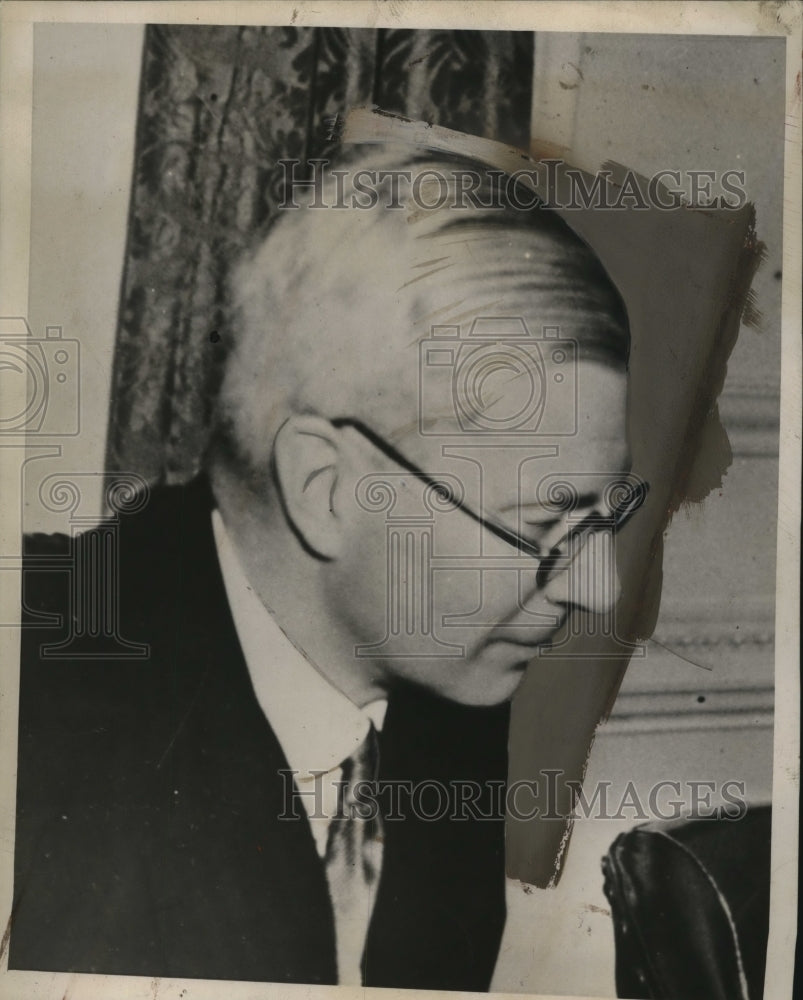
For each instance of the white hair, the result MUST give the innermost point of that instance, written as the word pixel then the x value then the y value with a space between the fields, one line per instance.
pixel 327 311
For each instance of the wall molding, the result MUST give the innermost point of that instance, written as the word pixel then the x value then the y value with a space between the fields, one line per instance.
pixel 751 415
pixel 699 683
pixel 688 710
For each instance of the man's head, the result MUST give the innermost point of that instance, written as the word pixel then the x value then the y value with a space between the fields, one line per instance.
pixel 380 352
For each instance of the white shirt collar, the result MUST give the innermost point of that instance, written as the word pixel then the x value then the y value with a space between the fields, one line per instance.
pixel 317 726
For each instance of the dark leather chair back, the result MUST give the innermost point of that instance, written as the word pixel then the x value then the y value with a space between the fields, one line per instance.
pixel 690 907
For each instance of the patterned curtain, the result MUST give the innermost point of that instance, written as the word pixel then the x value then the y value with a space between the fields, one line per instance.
pixel 218 108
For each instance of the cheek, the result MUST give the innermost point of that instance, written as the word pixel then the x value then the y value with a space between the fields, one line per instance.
pixel 357 582
pixel 387 572
pixel 465 582
pixel 495 592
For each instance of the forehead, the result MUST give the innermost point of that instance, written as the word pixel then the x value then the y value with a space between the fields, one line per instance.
pixel 516 468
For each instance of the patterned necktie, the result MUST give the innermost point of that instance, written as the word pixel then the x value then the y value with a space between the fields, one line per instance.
pixel 354 860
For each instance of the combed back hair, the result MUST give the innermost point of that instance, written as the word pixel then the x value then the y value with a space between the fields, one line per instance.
pixel 326 311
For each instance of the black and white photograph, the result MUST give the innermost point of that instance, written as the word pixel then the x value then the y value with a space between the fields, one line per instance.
pixel 400 459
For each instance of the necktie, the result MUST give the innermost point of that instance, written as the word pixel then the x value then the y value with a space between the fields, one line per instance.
pixel 354 859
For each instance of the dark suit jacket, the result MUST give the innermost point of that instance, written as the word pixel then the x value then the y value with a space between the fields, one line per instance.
pixel 148 795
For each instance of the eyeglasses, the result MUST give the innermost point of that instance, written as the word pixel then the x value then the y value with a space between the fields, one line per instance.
pixel 614 522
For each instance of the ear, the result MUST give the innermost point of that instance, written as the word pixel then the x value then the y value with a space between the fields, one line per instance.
pixel 306 457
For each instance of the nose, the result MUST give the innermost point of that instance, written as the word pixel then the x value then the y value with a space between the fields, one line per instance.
pixel 586 578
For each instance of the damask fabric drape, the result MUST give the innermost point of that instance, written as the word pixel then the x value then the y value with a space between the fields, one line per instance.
pixel 219 108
